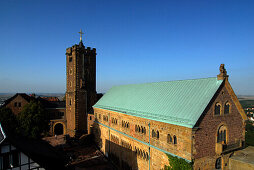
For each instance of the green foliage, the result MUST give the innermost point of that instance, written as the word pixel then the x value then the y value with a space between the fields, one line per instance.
pixel 8 119
pixel 249 135
pixel 33 120
pixel 177 164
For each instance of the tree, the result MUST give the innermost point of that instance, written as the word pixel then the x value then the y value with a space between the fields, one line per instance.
pixel 8 119
pixel 33 120
pixel 177 164
pixel 249 135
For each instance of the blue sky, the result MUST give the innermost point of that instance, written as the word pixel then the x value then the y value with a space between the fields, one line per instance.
pixel 136 41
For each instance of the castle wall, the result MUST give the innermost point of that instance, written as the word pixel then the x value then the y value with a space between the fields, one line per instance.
pixel 120 129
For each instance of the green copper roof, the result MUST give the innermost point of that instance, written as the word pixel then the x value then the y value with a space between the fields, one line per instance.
pixel 175 102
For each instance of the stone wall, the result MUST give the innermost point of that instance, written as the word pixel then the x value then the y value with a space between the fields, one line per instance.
pixel 123 132
pixel 20 103
pixel 205 138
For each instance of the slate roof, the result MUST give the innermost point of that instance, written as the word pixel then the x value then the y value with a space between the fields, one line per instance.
pixel 176 102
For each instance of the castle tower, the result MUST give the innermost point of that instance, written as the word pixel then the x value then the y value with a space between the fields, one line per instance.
pixel 80 86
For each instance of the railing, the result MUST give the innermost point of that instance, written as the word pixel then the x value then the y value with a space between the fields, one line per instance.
pixel 233 146
pixel 222 148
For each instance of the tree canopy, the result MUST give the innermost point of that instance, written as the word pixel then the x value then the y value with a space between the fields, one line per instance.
pixel 249 135
pixel 8 120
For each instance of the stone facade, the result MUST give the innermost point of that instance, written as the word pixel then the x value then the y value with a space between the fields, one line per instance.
pixel 205 139
pixel 123 133
pixel 137 143
pixel 81 87
pixel 55 109
pixel 17 103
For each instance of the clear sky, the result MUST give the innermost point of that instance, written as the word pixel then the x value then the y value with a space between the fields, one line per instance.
pixel 136 41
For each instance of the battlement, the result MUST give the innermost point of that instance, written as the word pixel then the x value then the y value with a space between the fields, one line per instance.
pixel 77 47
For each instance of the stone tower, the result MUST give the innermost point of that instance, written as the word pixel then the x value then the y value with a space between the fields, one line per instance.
pixel 80 87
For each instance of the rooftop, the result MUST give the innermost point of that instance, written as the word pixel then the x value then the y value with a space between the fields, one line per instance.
pixel 176 102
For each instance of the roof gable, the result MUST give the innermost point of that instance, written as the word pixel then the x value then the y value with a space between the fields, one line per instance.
pixel 175 102
pixel 23 95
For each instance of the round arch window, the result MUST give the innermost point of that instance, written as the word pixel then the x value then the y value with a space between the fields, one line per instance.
pixel 218 163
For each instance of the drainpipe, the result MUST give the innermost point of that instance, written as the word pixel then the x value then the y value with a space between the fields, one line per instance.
pixel 149 145
pixel 109 134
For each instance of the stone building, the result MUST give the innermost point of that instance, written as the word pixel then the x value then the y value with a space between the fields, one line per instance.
pixel 53 106
pixel 199 120
pixel 80 87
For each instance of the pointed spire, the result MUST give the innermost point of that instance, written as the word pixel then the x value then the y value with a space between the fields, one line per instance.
pixel 223 73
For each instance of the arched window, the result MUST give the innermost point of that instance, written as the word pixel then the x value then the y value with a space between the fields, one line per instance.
pixel 222 134
pixel 226 108
pixel 153 134
pixel 217 109
pixel 169 138
pixel 144 130
pixel 138 129
pixel 218 163
pixel 158 134
pixel 175 140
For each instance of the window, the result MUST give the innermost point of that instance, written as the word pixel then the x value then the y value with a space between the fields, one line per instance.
pixel 15 104
pixel 114 121
pixel 19 104
pixel 105 118
pixel 169 138
pixel 125 124
pixel 99 116
pixel 15 158
pixel 217 109
pixel 226 108
pixel 222 134
pixel 70 59
pixel 158 134
pixel 6 161
pixel 175 140
pixel 153 134
pixel 70 102
pixel 90 117
pixel 218 163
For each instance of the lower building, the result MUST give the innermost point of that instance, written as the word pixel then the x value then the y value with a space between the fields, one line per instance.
pixel 200 121
pixel 54 107
pixel 18 153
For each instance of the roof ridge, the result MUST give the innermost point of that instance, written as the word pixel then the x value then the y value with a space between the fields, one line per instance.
pixel 163 81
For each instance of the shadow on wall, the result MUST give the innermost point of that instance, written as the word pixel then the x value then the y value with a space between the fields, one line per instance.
pixel 119 152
